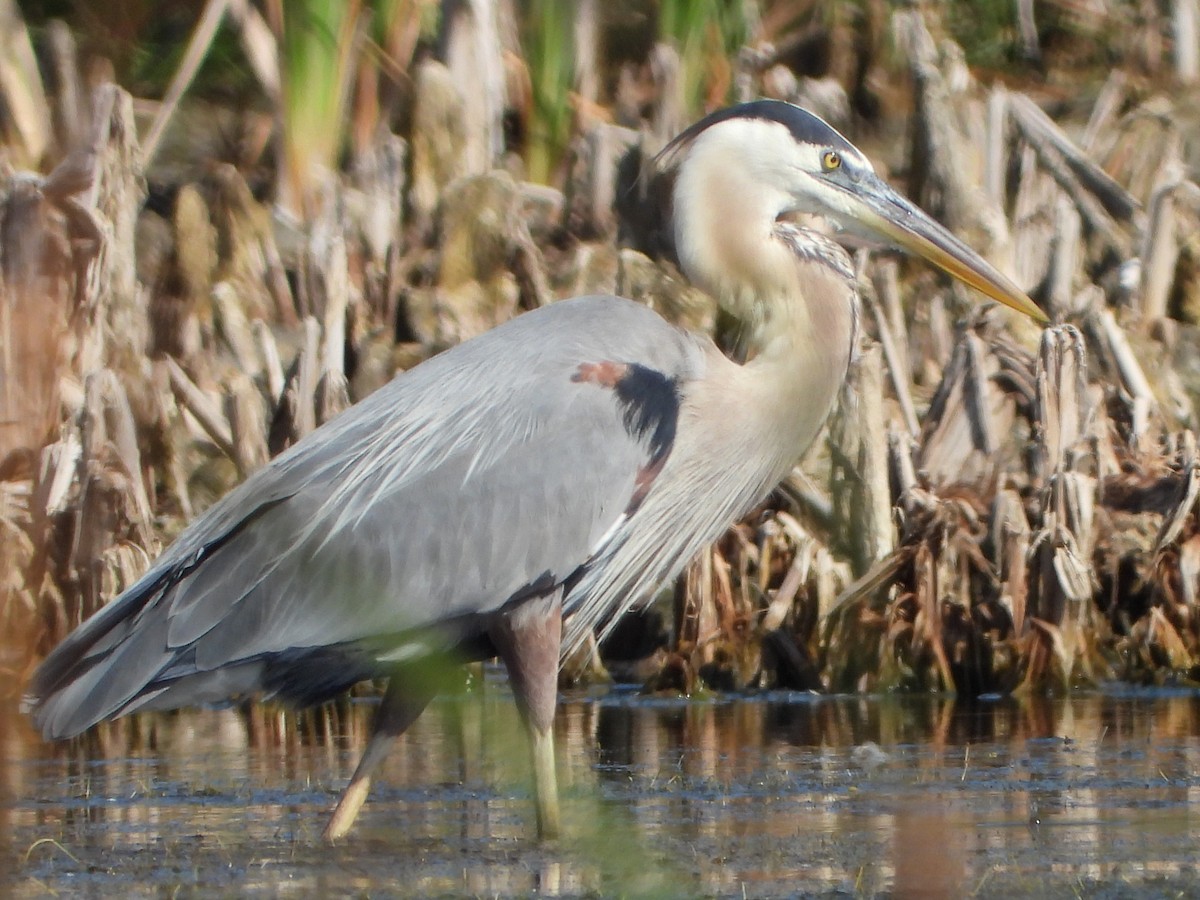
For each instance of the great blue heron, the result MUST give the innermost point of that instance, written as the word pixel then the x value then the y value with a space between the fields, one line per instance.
pixel 561 465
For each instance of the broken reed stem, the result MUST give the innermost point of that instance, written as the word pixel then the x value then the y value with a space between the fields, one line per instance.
pixel 271 363
pixel 1133 378
pixel 1072 169
pixel 198 46
pixel 897 366
pixel 196 402
pixel 1160 244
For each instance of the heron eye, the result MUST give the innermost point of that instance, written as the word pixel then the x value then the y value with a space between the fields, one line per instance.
pixel 830 161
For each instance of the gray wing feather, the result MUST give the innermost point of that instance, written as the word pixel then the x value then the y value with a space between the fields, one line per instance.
pixel 441 495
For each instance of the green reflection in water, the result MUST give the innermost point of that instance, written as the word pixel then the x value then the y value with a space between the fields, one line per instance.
pixel 771 796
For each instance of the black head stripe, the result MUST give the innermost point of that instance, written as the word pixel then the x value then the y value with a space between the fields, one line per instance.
pixel 804 126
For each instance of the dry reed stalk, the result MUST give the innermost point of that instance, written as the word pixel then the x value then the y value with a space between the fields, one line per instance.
pixel 70 113
pixel 969 414
pixel 377 214
pixel 471 50
pixel 438 140
pixel 1061 587
pixel 261 48
pixel 111 507
pixel 1010 542
pixel 206 413
pixel 668 115
pixel 1081 178
pixel 296 413
pixel 940 179
pixel 859 472
pixel 696 618
pixel 1160 240
pixel 198 47
pixel 1185 27
pixel 26 126
pixel 1066 263
pixel 1032 217
pixel 590 196
pixel 272 366
pixel 894 354
pixel 235 331
pixel 247 423
pixel 332 390
pixel 249 256
pixel 1114 344
pixel 1174 520
pixel 1062 402
pixel 39 292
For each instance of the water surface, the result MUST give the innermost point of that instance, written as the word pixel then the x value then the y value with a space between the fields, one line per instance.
pixel 775 795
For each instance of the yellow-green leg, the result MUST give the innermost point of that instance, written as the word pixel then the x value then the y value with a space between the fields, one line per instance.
pixel 528 640
pixel 404 700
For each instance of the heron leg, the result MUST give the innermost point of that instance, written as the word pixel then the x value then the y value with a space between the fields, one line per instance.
pixel 528 639
pixel 403 701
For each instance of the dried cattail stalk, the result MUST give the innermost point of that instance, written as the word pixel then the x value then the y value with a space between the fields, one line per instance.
pixel 296 414
pixel 116 328
pixel 1010 540
pixel 70 114
pixel 859 474
pixel 939 177
pixel 194 400
pixel 1062 402
pixel 1136 387
pixel 377 214
pixel 967 417
pixel 438 139
pixel 269 352
pixel 1173 521
pixel 1160 241
pixel 247 424
pixel 112 505
pixel 1185 23
pixel 470 46
pixel 229 318
pixel 1079 176
pixel 26 125
pixel 895 359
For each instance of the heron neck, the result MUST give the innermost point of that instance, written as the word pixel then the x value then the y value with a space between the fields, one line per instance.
pixel 797 353
pixel 792 289
pixel 803 343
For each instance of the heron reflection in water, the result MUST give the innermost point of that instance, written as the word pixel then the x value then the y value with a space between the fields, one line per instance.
pixel 510 495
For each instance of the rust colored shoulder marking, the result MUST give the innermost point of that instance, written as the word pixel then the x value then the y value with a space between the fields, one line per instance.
pixel 606 374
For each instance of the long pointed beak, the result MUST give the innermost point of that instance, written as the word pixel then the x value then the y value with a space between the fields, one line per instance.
pixel 884 214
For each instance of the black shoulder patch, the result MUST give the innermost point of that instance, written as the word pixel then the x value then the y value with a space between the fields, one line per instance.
pixel 649 400
pixel 650 403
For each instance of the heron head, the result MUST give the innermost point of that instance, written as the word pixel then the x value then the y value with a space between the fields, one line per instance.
pixel 788 160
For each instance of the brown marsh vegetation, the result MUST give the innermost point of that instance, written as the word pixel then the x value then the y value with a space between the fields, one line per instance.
pixel 192 277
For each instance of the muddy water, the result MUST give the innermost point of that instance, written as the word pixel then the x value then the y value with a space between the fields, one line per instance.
pixel 779 795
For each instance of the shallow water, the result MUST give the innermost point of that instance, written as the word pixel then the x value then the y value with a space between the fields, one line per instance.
pixel 776 795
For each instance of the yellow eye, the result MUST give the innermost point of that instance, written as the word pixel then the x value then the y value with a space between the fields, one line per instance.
pixel 830 160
